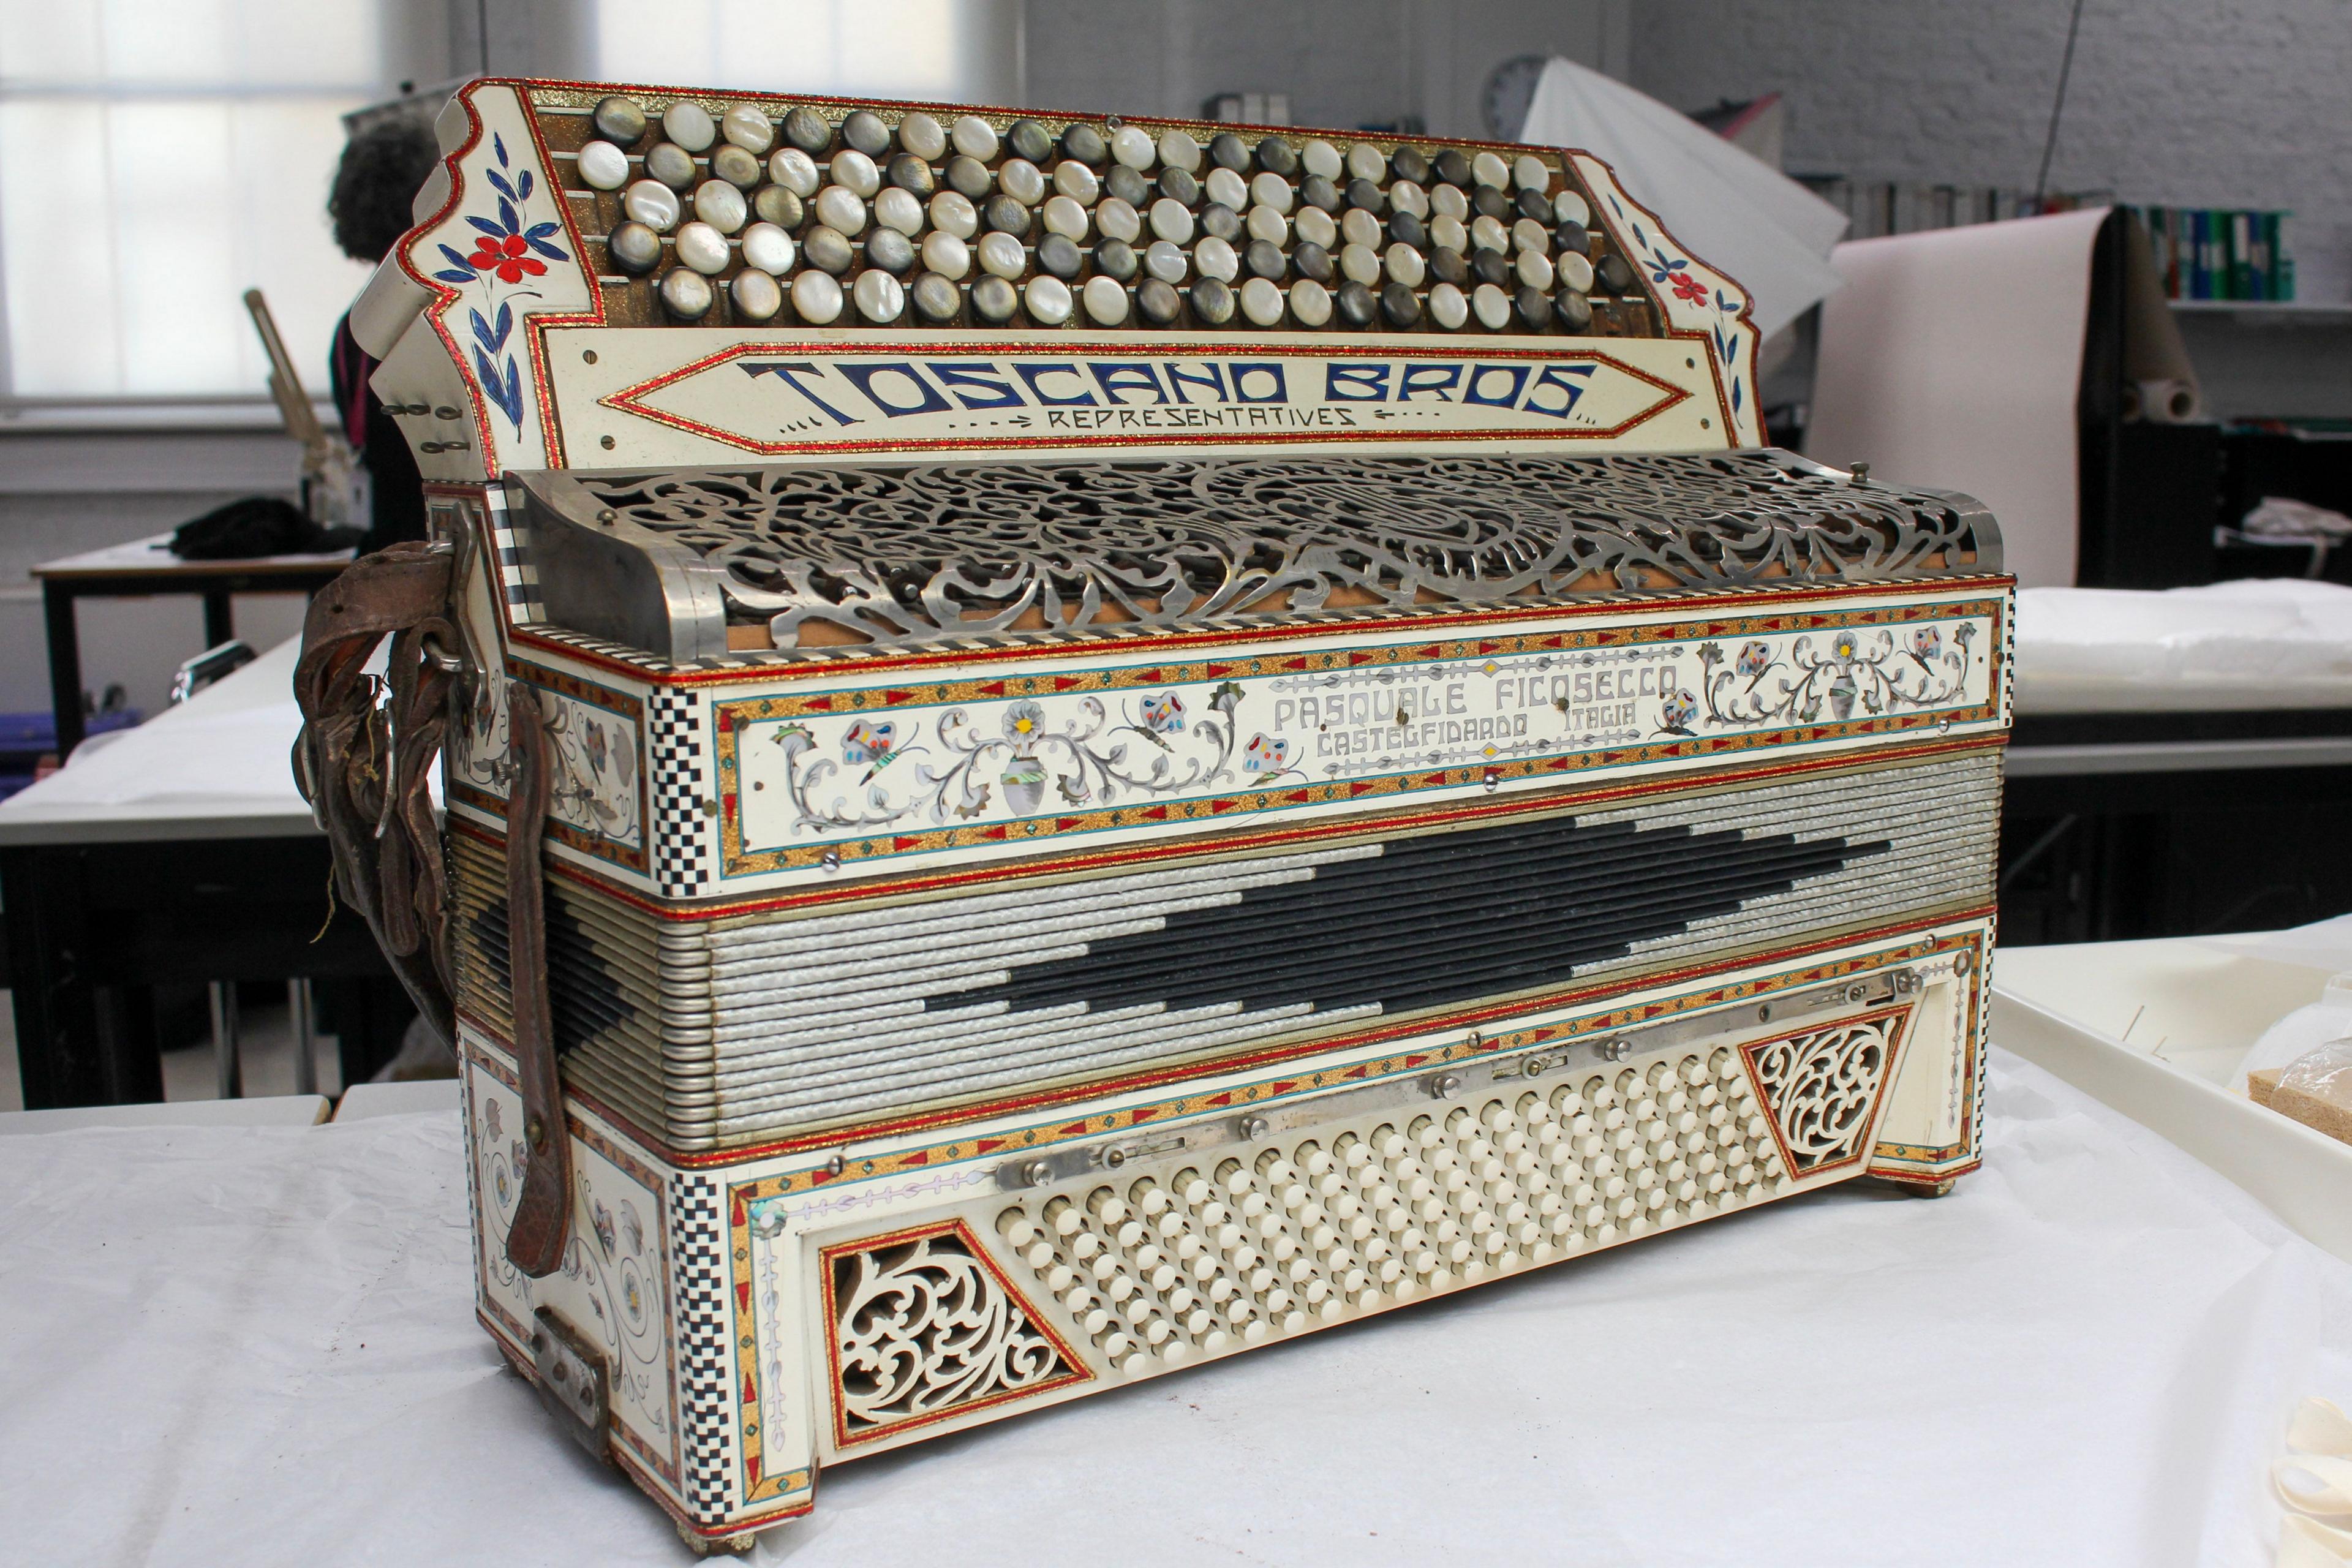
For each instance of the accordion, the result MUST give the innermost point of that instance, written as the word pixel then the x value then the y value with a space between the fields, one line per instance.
pixel 1075 744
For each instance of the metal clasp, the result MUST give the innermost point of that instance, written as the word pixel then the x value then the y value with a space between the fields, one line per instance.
pixel 572 1381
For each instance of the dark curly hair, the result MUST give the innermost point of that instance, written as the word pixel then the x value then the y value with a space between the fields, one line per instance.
pixel 383 168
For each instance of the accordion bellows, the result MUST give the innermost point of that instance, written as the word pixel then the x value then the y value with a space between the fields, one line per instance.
pixel 1085 838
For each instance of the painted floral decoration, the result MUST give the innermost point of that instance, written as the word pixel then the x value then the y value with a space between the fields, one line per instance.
pixel 507 251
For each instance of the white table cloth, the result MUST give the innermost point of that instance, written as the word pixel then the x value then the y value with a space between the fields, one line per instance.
pixel 257 1346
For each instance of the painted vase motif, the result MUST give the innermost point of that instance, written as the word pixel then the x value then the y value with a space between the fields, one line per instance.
pixel 1024 784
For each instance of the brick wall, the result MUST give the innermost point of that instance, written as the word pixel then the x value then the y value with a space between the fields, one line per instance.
pixel 2183 102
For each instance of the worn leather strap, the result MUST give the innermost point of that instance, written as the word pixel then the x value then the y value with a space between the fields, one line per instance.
pixel 363 761
pixel 535 1240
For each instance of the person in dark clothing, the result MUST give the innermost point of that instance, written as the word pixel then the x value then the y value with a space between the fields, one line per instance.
pixel 383 168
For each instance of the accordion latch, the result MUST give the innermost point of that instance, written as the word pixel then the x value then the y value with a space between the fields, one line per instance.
pixel 572 1383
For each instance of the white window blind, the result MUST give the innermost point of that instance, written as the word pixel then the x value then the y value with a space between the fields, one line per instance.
pixel 955 50
pixel 157 158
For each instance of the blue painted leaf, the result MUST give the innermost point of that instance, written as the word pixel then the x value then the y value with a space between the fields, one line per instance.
pixel 481 329
pixel 551 252
pixel 487 226
pixel 1735 390
pixel 504 323
pixel 499 183
pixel 541 230
pixel 456 259
pixel 1640 237
pixel 523 182
pixel 499 146
pixel 448 276
pixel 513 404
pixel 507 216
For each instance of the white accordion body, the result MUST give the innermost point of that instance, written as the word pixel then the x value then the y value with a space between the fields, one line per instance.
pixel 1079 847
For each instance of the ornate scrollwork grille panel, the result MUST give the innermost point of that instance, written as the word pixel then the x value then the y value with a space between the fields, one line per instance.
pixel 831 555
pixel 1820 1090
pixel 925 1328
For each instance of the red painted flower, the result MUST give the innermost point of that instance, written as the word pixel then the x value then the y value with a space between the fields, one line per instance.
pixel 1686 288
pixel 509 257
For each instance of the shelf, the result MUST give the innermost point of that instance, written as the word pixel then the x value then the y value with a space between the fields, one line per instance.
pixel 2313 312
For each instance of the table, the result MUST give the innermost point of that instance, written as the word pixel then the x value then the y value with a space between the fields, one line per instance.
pixel 179 852
pixel 144 567
pixel 258 1346
pixel 2181 761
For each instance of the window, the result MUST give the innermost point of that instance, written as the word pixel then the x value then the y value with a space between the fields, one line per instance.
pixel 157 158
pixel 954 50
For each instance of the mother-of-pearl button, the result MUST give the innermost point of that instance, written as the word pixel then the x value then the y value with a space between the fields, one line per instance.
pixel 1310 302
pixel 1366 162
pixel 721 204
pixel 1535 269
pixel 1132 147
pixel 702 247
pixel 1171 220
pixel 1569 207
pixel 1316 227
pixel 1119 221
pixel 1105 301
pixel 1076 181
pixel 974 138
pixel 1528 235
pixel 768 248
pixel 1529 173
pixel 856 171
pixel 1261 302
pixel 920 134
pixel 1407 197
pixel 1361 228
pixel 879 296
pixel 1450 201
pixel 686 293
pixel 1215 259
pixel 1361 264
pixel 953 212
pixel 1065 216
pixel 1022 181
pixel 603 166
pixel 1447 233
pixel 1319 157
pixel 1575 272
pixel 1179 151
pixel 757 296
pixel 1492 305
pixel 749 127
pixel 1404 264
pixel 838 207
pixel 1488 234
pixel 1488 169
pixel 688 125
pixel 1164 260
pixel 795 171
pixel 1047 298
pixel 1001 254
pixel 1268 223
pixel 652 203
pixel 895 208
pixel 1271 190
pixel 1447 307
pixel 1225 186
pixel 946 254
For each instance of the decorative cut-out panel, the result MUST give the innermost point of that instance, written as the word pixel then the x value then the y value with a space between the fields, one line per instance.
pixel 1823 1090
pixel 925 1328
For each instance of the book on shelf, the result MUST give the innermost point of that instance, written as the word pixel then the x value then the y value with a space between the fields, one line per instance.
pixel 2221 253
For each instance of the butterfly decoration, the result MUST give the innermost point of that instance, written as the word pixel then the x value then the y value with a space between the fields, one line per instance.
pixel 1754 659
pixel 1264 754
pixel 602 1219
pixel 1164 714
pixel 1676 712
pixel 596 745
pixel 869 743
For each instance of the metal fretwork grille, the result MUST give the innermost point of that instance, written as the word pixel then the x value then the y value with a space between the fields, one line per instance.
pixel 916 555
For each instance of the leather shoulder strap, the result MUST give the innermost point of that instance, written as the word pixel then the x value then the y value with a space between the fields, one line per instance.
pixel 363 761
